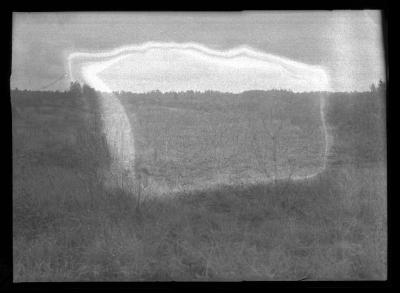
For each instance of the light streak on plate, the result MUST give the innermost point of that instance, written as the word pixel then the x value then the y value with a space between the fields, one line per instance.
pixel 117 130
pixel 233 70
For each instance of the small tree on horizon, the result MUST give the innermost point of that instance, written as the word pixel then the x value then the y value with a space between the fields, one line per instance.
pixel 75 88
pixel 372 87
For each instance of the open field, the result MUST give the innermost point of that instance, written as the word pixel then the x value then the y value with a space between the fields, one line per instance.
pixel 189 141
pixel 68 227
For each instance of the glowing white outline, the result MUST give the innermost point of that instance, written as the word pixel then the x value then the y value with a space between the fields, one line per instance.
pixel 90 74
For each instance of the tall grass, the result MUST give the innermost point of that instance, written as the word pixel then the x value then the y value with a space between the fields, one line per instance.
pixel 316 230
pixel 68 227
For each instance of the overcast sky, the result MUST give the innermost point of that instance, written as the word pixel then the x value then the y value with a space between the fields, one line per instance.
pixel 347 44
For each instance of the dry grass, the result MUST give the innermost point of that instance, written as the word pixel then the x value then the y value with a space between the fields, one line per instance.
pixel 319 230
pixel 67 227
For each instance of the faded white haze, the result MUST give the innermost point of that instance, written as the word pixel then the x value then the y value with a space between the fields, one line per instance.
pixel 345 45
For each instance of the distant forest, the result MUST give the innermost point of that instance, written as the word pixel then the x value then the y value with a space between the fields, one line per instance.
pixel 356 119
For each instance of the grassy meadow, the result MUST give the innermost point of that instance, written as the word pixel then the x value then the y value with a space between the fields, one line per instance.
pixel 68 227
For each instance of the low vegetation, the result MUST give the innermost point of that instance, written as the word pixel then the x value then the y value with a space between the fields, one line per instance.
pixel 68 227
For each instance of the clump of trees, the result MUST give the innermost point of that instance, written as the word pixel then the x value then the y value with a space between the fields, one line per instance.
pixel 75 89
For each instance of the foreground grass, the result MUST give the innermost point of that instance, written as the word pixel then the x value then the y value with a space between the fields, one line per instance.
pixel 67 227
pixel 322 229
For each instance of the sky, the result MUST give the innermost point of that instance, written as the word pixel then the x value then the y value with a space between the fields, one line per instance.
pixel 314 50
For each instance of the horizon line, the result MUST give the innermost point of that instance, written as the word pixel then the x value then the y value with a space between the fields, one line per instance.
pixel 195 91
